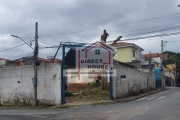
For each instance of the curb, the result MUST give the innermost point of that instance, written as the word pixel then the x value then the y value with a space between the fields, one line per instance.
pixel 137 97
pixel 122 100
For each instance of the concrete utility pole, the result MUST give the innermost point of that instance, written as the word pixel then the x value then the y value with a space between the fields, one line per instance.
pixel 162 77
pixel 36 63
pixel 150 68
pixel 149 71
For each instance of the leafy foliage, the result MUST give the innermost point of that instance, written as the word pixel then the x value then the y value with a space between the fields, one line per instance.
pixel 173 57
pixel 69 94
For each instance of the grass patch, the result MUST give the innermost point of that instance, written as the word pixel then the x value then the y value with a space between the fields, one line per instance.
pixel 87 93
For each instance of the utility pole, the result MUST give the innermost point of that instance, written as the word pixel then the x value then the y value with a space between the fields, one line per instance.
pixel 36 63
pixel 162 77
pixel 150 68
pixel 149 71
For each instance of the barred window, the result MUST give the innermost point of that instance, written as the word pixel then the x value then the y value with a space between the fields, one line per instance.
pixel 97 51
pixel 134 53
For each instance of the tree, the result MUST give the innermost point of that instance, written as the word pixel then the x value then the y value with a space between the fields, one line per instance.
pixel 173 57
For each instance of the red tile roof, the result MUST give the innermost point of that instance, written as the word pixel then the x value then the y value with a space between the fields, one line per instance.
pixel 153 55
pixel 40 59
pixel 2 58
pixel 123 44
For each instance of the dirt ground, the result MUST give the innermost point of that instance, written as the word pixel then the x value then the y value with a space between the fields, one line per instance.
pixel 86 93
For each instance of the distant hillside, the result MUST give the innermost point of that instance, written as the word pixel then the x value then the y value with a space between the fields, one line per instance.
pixel 173 57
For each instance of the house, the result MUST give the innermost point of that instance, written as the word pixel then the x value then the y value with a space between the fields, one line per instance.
pixel 145 65
pixel 155 55
pixel 28 61
pixel 171 74
pixel 155 61
pixel 169 69
pixel 129 53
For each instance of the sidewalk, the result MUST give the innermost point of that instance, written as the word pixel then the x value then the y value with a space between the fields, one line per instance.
pixel 95 103
pixel 88 103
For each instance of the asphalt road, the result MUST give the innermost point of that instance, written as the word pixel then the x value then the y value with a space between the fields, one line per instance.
pixel 164 105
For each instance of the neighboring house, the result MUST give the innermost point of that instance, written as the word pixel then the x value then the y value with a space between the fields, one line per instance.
pixel 129 53
pixel 28 61
pixel 145 65
pixel 169 69
pixel 155 55
pixel 155 61
pixel 170 74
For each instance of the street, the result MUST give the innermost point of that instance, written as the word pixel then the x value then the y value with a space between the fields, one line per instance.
pixel 164 105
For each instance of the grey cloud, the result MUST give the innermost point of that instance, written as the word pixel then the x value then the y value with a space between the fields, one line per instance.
pixel 67 16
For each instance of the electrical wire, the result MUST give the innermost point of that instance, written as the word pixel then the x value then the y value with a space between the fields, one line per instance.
pixel 108 26
pixel 129 39
pixel 149 32
pixel 162 28
pixel 24 55
pixel 152 36
pixel 113 25
pixel 15 47
pixel 154 31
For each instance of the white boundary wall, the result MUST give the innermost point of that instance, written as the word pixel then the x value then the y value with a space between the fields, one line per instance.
pixel 48 88
pixel 134 82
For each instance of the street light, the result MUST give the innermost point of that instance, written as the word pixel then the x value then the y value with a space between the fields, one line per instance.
pixel 22 40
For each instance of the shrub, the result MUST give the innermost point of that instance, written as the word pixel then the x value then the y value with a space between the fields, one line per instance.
pixel 69 94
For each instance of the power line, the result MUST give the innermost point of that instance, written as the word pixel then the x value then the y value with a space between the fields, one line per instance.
pixel 130 39
pixel 113 25
pixel 108 26
pixel 154 31
pixel 15 47
pixel 172 43
pixel 23 55
pixel 152 36
pixel 175 27
pixel 161 26
pixel 148 30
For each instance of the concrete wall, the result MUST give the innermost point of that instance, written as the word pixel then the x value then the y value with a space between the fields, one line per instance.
pixel 16 84
pixel 136 64
pixel 2 62
pixel 134 82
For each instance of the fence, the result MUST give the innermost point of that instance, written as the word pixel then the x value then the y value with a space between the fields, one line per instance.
pixel 135 81
pixel 16 84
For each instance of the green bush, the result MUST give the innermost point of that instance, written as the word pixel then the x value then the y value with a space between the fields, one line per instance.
pixel 93 85
pixel 69 94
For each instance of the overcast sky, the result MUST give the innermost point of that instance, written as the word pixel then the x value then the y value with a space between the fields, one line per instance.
pixel 84 21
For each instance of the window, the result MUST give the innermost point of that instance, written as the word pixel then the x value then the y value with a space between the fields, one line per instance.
pixel 97 51
pixel 133 53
